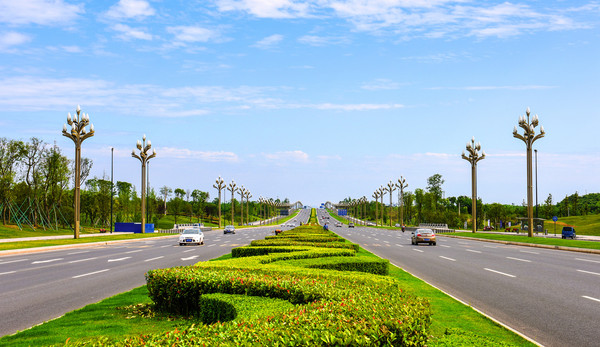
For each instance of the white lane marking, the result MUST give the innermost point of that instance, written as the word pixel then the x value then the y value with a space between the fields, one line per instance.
pixel 165 246
pixel 189 250
pixel 73 253
pixel 399 245
pixel 13 261
pixel 490 246
pixel 463 243
pixel 418 250
pixel 445 246
pixel 90 273
pixel 441 256
pixel 6 273
pixel 162 256
pixel 589 297
pixel 80 260
pixel 137 250
pixel 119 259
pixel 589 272
pixel 498 272
pixel 211 245
pixel 530 252
pixel 472 250
pixel 190 258
pixel 591 261
pixel 46 261
pixel 519 259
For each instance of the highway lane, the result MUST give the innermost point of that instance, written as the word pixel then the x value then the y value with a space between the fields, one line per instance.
pixel 37 287
pixel 549 295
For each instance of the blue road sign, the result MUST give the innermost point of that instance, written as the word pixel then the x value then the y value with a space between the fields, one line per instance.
pixel 555 218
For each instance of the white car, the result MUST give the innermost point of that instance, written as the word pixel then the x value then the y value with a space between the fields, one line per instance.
pixel 191 236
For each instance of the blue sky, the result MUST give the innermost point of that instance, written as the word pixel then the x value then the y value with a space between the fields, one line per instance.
pixel 311 100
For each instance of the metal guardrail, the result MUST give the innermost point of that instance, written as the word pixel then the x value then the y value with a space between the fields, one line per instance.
pixel 180 230
pixel 437 227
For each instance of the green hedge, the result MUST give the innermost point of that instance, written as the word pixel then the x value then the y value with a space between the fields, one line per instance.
pixel 286 242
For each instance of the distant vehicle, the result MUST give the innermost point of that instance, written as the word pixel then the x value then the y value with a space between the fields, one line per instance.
pixel 191 236
pixel 423 236
pixel 350 225
pixel 338 224
pixel 568 232
pixel 488 228
pixel 229 229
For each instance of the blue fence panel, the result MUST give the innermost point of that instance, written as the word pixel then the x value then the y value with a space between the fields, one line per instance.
pixel 133 227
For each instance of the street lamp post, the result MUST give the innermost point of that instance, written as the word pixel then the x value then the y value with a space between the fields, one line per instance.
pixel 219 185
pixel 248 196
pixel 242 192
pixel 143 157
pixel 529 137
pixel 401 185
pixel 381 195
pixel 391 187
pixel 232 188
pixel 112 189
pixel 536 185
pixel 78 134
pixel 376 197
pixel 473 158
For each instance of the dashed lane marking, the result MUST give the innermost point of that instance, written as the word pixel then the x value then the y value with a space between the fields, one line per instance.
pixel 418 250
pixel 519 259
pixel 119 259
pixel 90 273
pixel 80 260
pixel 498 272
pixel 13 261
pixel 591 261
pixel 472 251
pixel 589 272
pixel 47 261
pixel 151 259
pixel 441 256
pixel 589 297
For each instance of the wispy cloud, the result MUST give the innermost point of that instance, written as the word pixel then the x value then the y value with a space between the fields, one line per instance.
pixel 126 9
pixel 11 39
pixel 127 33
pixel 42 12
pixel 268 9
pixel 185 153
pixel 516 87
pixel 381 84
pixel 314 40
pixel 192 34
pixel 296 156
pixel 269 41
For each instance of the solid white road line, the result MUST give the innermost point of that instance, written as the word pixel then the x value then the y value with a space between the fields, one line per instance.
pixel 591 261
pixel 13 261
pixel 530 252
pixel 80 260
pixel 46 261
pixel 472 250
pixel 137 250
pixel 589 297
pixel 90 273
pixel 118 259
pixel 162 256
pixel 519 259
pixel 498 272
pixel 6 273
pixel 441 256
pixel 589 272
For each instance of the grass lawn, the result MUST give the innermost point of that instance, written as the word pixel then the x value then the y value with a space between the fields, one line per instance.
pixel 129 314
pixel 534 240
pixel 584 225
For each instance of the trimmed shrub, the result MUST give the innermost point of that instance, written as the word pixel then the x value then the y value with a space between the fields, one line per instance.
pixel 212 310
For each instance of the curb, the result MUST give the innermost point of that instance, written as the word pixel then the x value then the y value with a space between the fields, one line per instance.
pixel 79 245
pixel 534 245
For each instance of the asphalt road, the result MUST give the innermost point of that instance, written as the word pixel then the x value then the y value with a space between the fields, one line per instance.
pixel 551 296
pixel 37 287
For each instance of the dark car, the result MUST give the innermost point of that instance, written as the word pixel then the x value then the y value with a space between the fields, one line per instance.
pixel 229 229
pixel 568 233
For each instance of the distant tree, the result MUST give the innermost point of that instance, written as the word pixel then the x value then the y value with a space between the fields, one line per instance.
pixel 434 186
pixel 165 192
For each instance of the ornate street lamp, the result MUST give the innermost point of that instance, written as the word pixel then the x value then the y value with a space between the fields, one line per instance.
pixel 364 209
pixel 78 134
pixel 144 148
pixel 376 197
pixel 382 191
pixel 219 185
pixel 232 188
pixel 242 192
pixel 473 158
pixel 248 196
pixel 401 185
pixel 529 137
pixel 391 187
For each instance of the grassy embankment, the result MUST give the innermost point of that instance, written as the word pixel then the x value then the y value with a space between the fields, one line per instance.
pixel 129 315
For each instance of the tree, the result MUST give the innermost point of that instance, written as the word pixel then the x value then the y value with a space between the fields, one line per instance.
pixel 434 186
pixel 200 199
pixel 11 152
pixel 124 190
pixel 55 174
pixel 548 206
pixel 165 192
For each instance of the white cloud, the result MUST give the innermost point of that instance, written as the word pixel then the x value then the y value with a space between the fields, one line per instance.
pixel 11 39
pixel 42 12
pixel 314 40
pixel 184 153
pixel 130 9
pixel 193 34
pixel 381 84
pixel 128 33
pixel 352 107
pixel 267 9
pixel 296 156
pixel 269 41
pixel 523 87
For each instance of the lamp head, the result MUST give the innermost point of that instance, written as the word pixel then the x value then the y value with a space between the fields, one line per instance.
pixel 92 127
pixel 64 128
